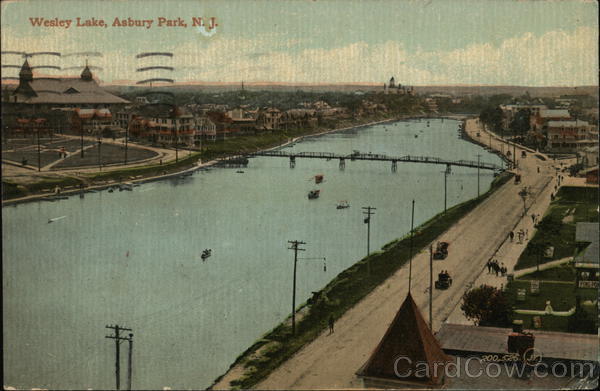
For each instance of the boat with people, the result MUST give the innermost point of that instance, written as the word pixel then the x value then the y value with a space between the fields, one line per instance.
pixel 343 205
pixel 313 194
pixel 206 253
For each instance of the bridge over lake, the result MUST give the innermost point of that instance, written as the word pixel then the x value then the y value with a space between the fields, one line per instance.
pixel 377 157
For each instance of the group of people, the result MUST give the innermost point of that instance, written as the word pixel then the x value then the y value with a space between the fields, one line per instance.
pixel 494 267
pixel 521 234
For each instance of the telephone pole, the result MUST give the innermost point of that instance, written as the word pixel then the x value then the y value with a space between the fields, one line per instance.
pixel 294 245
pixel 129 361
pixel 412 224
pixel 478 159
pixel 118 340
pixel 431 287
pixel 367 211
pixel 446 173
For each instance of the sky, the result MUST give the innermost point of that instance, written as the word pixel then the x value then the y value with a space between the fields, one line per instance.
pixel 424 42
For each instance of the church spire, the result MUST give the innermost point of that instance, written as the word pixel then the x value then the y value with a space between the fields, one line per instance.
pixel 26 73
pixel 86 74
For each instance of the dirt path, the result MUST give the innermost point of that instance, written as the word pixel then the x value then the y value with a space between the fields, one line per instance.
pixel 332 360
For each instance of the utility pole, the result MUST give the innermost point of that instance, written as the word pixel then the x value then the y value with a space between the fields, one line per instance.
pixel 99 153
pixel 446 173
pixel 412 223
pixel 367 211
pixel 431 287
pixel 295 245
pixel 478 160
pixel 126 138
pixel 129 361
pixel 39 150
pixel 117 339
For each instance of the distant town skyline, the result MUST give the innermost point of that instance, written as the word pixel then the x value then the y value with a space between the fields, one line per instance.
pixel 439 42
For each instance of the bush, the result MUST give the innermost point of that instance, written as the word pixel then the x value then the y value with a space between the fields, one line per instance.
pixel 487 306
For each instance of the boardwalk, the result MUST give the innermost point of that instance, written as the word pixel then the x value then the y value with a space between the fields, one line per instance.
pixel 378 157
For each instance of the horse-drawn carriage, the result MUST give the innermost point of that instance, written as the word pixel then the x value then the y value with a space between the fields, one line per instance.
pixel 441 251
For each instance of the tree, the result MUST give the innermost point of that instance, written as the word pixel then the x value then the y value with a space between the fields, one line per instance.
pixel 492 117
pixel 520 124
pixel 486 306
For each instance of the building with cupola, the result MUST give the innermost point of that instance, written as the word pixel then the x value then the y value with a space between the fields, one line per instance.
pixel 392 88
pixel 45 93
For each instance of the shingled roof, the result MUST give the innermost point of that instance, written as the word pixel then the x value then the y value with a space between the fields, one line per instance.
pixel 407 336
pixel 63 90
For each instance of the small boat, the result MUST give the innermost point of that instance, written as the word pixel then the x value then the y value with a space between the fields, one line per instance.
pixel 56 219
pixel 318 178
pixel 111 190
pixel 313 194
pixel 239 171
pixel 206 253
pixel 343 205
pixel 416 135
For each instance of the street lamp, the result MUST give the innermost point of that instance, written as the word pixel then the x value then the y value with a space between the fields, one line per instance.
pixel 99 153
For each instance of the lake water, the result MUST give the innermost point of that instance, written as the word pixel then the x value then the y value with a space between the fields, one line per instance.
pixel 133 258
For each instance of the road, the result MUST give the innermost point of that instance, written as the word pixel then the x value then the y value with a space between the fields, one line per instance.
pixel 331 361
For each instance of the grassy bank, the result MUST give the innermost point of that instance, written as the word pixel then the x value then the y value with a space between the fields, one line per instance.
pixel 14 190
pixel 343 292
pixel 557 228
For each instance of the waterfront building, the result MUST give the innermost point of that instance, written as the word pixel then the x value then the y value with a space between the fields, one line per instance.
pixel 205 128
pixel 91 121
pixel 269 118
pixel 570 136
pixel 45 93
pixel 510 110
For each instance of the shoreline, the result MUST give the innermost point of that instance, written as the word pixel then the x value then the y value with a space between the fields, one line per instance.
pixel 201 165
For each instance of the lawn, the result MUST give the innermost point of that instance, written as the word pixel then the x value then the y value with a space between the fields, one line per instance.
pixel 561 297
pixel 557 228
pixel 564 272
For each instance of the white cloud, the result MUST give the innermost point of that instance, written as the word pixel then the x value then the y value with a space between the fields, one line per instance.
pixel 554 58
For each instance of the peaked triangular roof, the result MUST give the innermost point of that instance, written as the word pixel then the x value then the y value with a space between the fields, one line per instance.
pixel 406 342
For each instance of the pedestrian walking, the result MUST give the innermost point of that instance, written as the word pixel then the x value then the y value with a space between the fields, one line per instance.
pixel 527 234
pixel 538 170
pixel 331 322
pixel 511 235
pixel 533 218
pixel 489 266
pixel 496 268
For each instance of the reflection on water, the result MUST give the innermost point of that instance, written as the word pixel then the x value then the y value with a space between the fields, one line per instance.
pixel 134 258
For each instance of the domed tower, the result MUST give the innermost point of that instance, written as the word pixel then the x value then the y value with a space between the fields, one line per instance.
pixel 392 82
pixel 86 74
pixel 25 77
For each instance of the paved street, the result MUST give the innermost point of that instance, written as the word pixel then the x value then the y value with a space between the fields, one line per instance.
pixel 332 360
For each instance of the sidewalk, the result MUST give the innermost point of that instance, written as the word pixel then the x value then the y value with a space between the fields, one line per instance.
pixel 510 251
